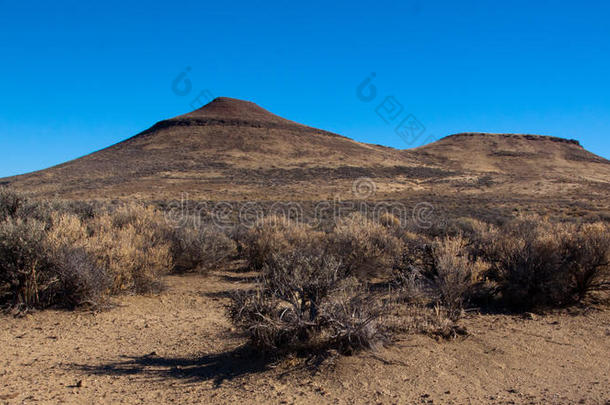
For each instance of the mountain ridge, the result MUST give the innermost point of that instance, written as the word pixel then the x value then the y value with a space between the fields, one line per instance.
pixel 234 149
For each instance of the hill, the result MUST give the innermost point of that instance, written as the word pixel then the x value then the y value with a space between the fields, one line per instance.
pixel 235 150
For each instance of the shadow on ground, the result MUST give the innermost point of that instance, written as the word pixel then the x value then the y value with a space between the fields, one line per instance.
pixel 218 368
pixel 251 278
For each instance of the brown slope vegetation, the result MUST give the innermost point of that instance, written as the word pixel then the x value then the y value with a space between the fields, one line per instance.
pixel 520 160
pixel 235 150
pixel 227 144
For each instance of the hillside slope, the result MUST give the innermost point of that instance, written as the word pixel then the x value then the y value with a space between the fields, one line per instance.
pixel 235 150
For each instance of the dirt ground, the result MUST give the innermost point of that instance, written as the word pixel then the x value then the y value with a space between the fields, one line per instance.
pixel 178 347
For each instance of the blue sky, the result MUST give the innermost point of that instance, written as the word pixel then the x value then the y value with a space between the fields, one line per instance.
pixel 76 77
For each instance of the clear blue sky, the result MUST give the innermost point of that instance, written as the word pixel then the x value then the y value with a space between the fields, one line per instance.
pixel 77 76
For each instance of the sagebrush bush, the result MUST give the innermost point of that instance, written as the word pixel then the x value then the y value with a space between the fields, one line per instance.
pixel 23 264
pixel 133 244
pixel 302 302
pixel 366 248
pixel 37 269
pixel 453 274
pixel 275 234
pixel 80 280
pixel 65 254
pixel 10 203
pixel 408 279
pixel 588 259
pixel 200 248
pixel 538 263
pixel 529 268
pixel 440 271
pixel 353 318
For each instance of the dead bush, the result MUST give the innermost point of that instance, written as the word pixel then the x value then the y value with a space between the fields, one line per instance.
pixel 80 281
pixel 62 253
pixel 587 259
pixel 441 272
pixel 353 318
pixel 528 267
pixel 22 260
pixel 10 203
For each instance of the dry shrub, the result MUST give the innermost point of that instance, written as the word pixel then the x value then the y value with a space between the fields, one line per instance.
pixel 528 265
pixel 14 204
pixel 407 278
pixel 133 244
pixel 392 224
pixel 38 269
pixel 588 259
pixel 304 300
pixel 353 318
pixel 66 230
pixel 390 221
pixel 539 264
pixel 10 203
pixel 366 248
pixel 440 272
pixel 453 274
pixel 275 234
pixel 467 227
pixel 61 253
pixel 81 280
pixel 21 260
pixel 200 249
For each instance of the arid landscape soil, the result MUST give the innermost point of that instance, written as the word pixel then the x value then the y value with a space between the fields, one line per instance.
pixel 179 347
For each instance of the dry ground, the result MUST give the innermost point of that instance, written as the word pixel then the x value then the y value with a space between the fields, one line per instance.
pixel 179 347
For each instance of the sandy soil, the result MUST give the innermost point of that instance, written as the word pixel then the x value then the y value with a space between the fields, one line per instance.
pixel 179 347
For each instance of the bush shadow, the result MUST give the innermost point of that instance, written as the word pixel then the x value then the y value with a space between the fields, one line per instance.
pixel 218 367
